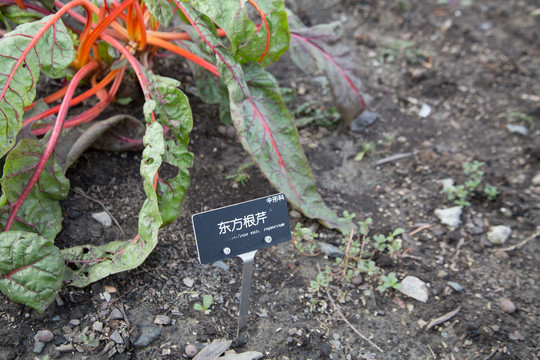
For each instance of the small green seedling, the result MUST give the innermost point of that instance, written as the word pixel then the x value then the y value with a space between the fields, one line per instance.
pixel 321 281
pixel 492 192
pixel 206 303
pixel 368 266
pixel 367 149
pixel 304 240
pixel 241 175
pixel 390 281
pixel 389 242
pixel 312 112
pixel 90 341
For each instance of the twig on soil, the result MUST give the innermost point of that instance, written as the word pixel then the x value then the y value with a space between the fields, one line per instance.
pixel 492 354
pixel 421 228
pixel 395 157
pixel 443 318
pixel 513 247
pixel 83 194
pixel 350 325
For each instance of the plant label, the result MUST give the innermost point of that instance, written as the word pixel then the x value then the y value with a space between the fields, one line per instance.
pixel 241 228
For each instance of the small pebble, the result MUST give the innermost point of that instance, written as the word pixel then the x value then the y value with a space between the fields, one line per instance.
pixel 162 320
pixel 498 235
pixel 45 336
pixel 508 306
pixel 357 280
pixel 450 216
pixel 38 347
pixel 103 218
pixel 501 255
pixel 116 337
pixel 424 111
pixel 75 322
pixel 97 326
pixel 330 250
pixel 191 351
pixel 455 286
pixel 116 314
pixel 188 282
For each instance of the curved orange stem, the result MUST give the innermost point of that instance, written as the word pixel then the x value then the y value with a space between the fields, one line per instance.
pixel 176 35
pixel 182 52
pixel 93 36
pixel 104 82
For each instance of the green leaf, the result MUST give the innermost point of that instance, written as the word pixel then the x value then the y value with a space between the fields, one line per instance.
pixel 248 42
pixel 161 10
pixel 207 301
pixel 268 134
pixel 174 112
pixel 321 48
pixel 41 211
pixel 31 269
pixel 52 54
pixel 90 263
pixel 18 15
pixel 198 307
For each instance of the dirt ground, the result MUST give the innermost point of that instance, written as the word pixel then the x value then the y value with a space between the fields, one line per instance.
pixel 477 70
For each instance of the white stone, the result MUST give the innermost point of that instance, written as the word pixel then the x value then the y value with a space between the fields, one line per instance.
pixel 450 216
pixel 536 179
pixel 424 111
pixel 498 235
pixel 103 218
pixel 188 282
pixel 415 288
pixel 447 184
pixel 517 129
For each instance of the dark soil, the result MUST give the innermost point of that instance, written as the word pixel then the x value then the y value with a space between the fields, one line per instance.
pixel 475 67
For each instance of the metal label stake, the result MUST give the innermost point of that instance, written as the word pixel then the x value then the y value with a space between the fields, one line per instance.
pixel 240 230
pixel 247 272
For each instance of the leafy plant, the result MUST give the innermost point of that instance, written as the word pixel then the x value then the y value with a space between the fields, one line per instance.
pixel 322 280
pixel 206 304
pixel 492 192
pixel 304 240
pixel 390 281
pixel 367 148
pixel 460 194
pixel 241 175
pixel 359 253
pixel 90 341
pixel 395 49
pixel 228 52
pixel 312 112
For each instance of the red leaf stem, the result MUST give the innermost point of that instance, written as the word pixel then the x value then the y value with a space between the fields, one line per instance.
pixel 104 82
pixel 52 141
pixel 265 22
pixel 91 113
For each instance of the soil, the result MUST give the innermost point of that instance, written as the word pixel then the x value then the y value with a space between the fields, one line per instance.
pixel 476 67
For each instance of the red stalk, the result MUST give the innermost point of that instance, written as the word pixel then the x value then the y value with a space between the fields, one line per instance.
pixel 265 22
pixel 106 80
pixel 52 141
